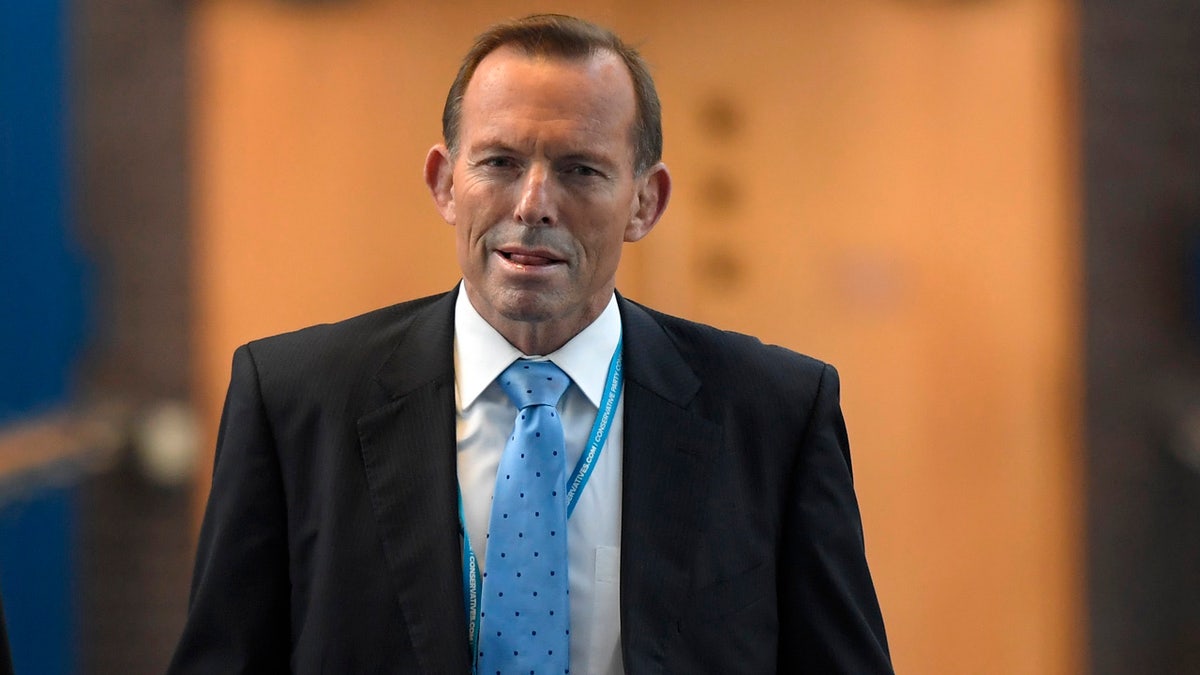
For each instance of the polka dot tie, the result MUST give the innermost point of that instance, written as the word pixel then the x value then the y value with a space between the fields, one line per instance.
pixel 524 619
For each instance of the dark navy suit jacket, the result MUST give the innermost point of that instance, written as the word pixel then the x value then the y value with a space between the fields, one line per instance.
pixel 331 538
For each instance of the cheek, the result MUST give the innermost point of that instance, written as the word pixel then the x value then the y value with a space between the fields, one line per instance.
pixel 472 223
pixel 479 210
pixel 603 247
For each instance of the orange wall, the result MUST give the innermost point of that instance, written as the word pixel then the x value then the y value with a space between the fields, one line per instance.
pixel 887 185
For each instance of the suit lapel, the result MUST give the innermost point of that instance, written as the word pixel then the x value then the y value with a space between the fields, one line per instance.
pixel 408 449
pixel 667 456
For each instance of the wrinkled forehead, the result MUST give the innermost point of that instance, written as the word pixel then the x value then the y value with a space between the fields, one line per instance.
pixel 596 86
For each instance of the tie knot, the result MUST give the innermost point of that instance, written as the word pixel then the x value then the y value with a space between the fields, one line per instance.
pixel 534 383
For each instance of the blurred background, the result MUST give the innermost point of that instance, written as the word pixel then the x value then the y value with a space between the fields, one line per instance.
pixel 986 213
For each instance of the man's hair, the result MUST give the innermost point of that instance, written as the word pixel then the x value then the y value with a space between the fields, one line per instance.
pixel 564 37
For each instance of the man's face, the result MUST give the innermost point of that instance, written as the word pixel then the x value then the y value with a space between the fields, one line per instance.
pixel 542 192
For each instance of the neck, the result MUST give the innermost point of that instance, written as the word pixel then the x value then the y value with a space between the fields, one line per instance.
pixel 539 336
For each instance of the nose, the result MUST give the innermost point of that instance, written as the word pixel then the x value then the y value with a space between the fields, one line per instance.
pixel 536 205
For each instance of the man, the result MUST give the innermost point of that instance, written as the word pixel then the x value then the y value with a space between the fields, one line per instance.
pixel 362 506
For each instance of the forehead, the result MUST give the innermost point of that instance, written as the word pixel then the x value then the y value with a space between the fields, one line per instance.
pixel 593 92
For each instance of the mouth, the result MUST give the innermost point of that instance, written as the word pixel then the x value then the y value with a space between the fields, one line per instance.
pixel 529 258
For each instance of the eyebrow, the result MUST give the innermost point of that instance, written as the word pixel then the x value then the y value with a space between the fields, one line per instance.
pixel 492 146
pixel 586 156
pixel 600 160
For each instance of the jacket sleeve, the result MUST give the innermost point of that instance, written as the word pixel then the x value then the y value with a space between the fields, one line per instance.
pixel 830 620
pixel 238 618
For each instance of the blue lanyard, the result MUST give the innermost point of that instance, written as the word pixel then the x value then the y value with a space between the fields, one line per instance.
pixel 472 580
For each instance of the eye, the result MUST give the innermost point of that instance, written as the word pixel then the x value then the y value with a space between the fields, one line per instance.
pixel 498 162
pixel 583 170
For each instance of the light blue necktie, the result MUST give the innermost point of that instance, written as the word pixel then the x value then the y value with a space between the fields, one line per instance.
pixel 525 622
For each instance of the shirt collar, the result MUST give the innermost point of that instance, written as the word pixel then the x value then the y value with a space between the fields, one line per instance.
pixel 481 353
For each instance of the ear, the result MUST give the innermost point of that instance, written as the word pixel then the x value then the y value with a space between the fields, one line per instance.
pixel 653 193
pixel 439 176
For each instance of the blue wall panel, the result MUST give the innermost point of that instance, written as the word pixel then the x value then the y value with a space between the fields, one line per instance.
pixel 37 573
pixel 42 315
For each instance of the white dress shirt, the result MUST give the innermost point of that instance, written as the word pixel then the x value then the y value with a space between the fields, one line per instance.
pixel 485 418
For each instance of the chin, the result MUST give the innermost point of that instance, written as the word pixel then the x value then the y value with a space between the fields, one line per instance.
pixel 528 309
pixel 517 303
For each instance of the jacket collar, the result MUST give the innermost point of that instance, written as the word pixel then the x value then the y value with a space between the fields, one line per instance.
pixel 408 448
pixel 668 452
